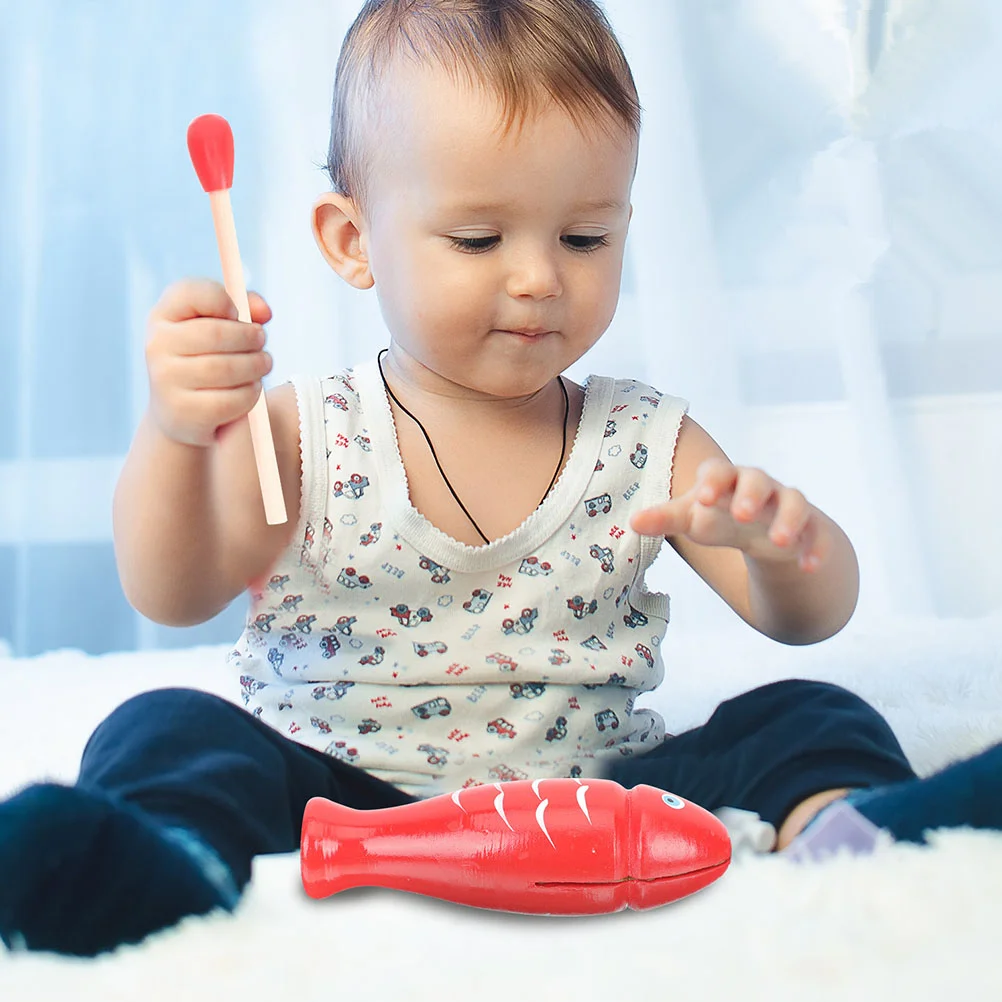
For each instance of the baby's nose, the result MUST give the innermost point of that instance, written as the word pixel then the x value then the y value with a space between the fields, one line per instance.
pixel 535 274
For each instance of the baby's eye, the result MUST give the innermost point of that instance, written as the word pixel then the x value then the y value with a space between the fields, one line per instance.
pixel 588 244
pixel 474 245
pixel 477 245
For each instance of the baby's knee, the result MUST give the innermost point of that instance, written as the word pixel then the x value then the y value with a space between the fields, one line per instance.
pixel 152 713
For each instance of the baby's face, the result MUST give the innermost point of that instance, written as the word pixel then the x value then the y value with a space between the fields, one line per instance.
pixel 541 251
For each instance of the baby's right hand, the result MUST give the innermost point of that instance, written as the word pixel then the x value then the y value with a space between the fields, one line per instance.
pixel 205 366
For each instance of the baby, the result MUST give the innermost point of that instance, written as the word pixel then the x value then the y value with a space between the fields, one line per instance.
pixel 458 597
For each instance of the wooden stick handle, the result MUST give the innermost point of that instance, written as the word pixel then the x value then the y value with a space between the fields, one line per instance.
pixel 260 426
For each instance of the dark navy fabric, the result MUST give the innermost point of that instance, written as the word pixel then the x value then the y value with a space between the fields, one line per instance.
pixel 195 760
pixel 768 749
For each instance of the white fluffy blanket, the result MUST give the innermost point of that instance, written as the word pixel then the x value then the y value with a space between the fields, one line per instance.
pixel 909 922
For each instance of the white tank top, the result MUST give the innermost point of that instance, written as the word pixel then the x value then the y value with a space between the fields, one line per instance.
pixel 436 665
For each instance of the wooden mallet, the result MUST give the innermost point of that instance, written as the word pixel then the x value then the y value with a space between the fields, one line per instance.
pixel 210 144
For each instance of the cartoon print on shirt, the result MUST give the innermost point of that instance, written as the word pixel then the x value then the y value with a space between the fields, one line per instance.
pixel 372 536
pixel 336 690
pixel 635 619
pixel 344 625
pixel 614 679
pixel 436 756
pixel 526 690
pixel 354 487
pixel 289 603
pixel 501 727
pixel 505 774
pixel 602 504
pixel 477 601
pixel 503 662
pixel 606 718
pixel 408 618
pixel 317 613
pixel 580 608
pixel 441 706
pixel 304 623
pixel 439 574
pixel 350 578
pixel 522 625
pixel 604 555
pixel 251 686
pixel 533 566
pixel 435 647
pixel 558 731
pixel 340 749
pixel 263 621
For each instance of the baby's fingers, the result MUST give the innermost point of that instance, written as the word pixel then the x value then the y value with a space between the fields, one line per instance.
pixel 222 372
pixel 815 545
pixel 798 528
pixel 194 297
pixel 792 514
pixel 715 480
pixel 260 310
pixel 209 336
pixel 204 297
pixel 663 520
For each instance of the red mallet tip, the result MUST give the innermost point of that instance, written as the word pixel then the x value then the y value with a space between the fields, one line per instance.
pixel 210 144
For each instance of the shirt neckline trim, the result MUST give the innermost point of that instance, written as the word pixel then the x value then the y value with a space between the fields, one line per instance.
pixel 536 528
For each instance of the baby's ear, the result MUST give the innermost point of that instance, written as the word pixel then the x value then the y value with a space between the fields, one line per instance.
pixel 336 228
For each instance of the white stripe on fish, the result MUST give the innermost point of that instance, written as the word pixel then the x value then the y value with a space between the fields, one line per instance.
pixel 499 807
pixel 540 811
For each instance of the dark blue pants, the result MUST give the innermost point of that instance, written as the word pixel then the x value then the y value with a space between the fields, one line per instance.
pixel 195 760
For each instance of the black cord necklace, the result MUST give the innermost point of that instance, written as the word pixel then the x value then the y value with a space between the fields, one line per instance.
pixel 560 462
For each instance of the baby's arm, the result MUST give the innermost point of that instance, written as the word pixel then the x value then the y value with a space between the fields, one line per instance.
pixel 189 526
pixel 782 565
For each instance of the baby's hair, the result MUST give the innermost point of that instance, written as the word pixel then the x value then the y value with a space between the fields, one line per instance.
pixel 521 51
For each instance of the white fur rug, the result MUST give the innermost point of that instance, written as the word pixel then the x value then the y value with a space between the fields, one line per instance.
pixel 912 923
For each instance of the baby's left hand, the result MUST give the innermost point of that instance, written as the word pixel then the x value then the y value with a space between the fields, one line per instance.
pixel 745 508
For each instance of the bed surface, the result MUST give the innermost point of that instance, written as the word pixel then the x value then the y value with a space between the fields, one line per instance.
pixel 919 921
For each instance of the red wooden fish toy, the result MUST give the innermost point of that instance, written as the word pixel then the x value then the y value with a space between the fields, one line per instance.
pixel 545 846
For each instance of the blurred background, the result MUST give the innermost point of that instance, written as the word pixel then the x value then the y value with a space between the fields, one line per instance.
pixel 815 262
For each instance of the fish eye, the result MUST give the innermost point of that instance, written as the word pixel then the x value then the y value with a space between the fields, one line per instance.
pixel 672 801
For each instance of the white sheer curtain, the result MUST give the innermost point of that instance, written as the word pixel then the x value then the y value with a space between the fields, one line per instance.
pixel 814 262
